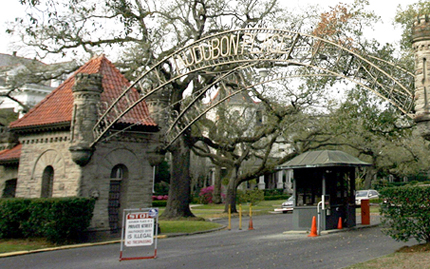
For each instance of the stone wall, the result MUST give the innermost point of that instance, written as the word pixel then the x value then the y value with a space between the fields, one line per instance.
pixel 136 186
pixel 91 180
pixel 38 152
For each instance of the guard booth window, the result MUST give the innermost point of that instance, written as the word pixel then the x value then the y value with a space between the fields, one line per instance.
pixel 308 187
pixel 343 190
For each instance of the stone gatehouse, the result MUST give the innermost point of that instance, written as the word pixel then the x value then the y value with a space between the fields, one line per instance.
pixel 53 157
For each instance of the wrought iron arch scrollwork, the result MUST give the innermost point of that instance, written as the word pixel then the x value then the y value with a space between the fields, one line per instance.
pixel 246 53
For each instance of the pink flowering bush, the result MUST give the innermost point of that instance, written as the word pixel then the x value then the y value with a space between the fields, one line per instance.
pixel 159 197
pixel 206 195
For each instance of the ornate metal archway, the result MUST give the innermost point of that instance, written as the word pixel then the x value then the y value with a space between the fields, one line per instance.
pixel 243 53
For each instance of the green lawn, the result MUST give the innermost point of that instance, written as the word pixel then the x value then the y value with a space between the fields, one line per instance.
pixel 184 226
pixel 12 245
pixel 216 211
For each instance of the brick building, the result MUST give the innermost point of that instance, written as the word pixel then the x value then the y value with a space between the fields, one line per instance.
pixel 53 157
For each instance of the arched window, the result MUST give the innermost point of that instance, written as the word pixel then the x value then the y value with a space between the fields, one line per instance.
pixel 118 172
pixel 117 175
pixel 47 182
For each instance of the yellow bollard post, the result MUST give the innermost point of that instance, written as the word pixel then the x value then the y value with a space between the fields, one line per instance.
pixel 251 226
pixel 229 218
pixel 240 216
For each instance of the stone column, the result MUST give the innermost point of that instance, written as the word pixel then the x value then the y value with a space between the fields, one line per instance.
pixel 421 46
pixel 288 182
pixel 261 183
pixel 86 97
pixel 280 183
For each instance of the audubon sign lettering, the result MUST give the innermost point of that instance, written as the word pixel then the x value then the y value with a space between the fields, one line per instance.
pixel 230 45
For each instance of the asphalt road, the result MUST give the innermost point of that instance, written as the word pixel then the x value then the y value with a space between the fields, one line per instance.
pixel 266 246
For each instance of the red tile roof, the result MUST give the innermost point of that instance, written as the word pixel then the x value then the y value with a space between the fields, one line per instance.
pixel 11 155
pixel 57 107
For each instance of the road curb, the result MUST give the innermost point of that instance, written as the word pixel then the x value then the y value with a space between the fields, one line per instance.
pixel 163 236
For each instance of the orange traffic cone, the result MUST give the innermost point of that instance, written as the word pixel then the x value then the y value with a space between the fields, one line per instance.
pixel 313 228
pixel 250 227
pixel 339 224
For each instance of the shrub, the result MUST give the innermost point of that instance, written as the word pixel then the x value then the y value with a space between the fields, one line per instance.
pixel 12 212
pixel 59 220
pixel 66 219
pixel 250 196
pixel 406 212
pixel 277 197
pixel 273 192
pixel 159 197
pixel 159 203
pixel 206 195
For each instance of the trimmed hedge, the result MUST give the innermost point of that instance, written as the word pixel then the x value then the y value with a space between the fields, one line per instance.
pixel 159 203
pixel 406 212
pixel 59 220
pixel 277 197
pixel 250 196
pixel 13 212
pixel 273 192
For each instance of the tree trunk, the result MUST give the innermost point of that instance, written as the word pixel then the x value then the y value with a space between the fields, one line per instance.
pixel 216 199
pixel 230 199
pixel 178 203
pixel 370 173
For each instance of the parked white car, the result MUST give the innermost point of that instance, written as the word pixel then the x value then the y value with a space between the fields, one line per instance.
pixel 365 194
pixel 287 206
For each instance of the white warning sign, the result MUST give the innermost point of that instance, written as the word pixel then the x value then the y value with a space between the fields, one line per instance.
pixel 139 230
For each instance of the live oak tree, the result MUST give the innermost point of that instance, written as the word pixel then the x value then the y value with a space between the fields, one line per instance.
pixel 248 148
pixel 140 33
pixel 376 133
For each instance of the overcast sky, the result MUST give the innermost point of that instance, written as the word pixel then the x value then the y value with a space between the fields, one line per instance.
pixel 384 32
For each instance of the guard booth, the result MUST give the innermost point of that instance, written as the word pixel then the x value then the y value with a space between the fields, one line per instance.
pixel 324 187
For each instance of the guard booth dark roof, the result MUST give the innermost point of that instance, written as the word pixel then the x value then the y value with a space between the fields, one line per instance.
pixel 323 158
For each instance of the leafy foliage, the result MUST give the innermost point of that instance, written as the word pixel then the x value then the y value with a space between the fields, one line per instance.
pixel 406 212
pixel 159 203
pixel 13 211
pixel 59 220
pixel 206 195
pixel 374 131
pixel 406 17
pixel 250 196
pixel 273 192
